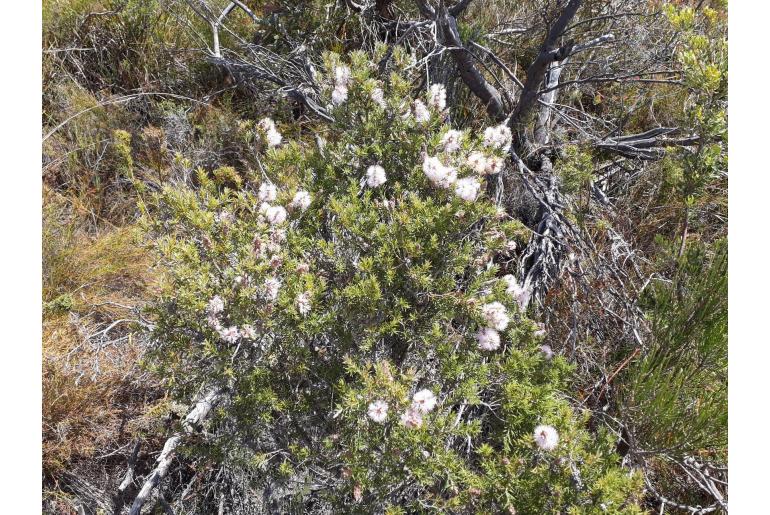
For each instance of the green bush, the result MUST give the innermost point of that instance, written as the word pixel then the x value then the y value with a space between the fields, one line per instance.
pixel 673 399
pixel 575 168
pixel 339 295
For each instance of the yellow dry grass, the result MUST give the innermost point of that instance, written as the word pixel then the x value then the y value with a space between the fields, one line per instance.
pixel 94 392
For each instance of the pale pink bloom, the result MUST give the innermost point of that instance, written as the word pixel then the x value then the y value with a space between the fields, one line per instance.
pixel 341 75
pixel 498 137
pixel 248 332
pixel 378 97
pixel 411 418
pixel 495 315
pixel 447 177
pixel 301 200
pixel 303 303
pixel 276 261
pixel 516 290
pixel 522 297
pixel 216 305
pixel 451 140
pixel 273 247
pixel 431 165
pixel 277 236
pixel 276 215
pixel 467 189
pixel 437 97
pixel 424 401
pixel 358 493
pixel 230 334
pixel 477 162
pixel 272 286
pixel 272 136
pixel 494 165
pixel 266 124
pixel 339 95
pixel 421 113
pixel 511 283
pixel 437 173
pixel 546 437
pixel 264 207
pixel 214 322
pixel 267 192
pixel 547 351
pixel 488 339
pixel 540 330
pixel 510 246
pixel 375 176
pixel 378 411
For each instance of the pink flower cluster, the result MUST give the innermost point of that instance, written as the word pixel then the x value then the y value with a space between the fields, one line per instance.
pixel 424 401
pixel 341 80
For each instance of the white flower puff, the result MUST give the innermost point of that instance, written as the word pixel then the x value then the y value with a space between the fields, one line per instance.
pixel 493 165
pixel 378 411
pixel 488 339
pixel 467 188
pixel 546 437
pixel 341 75
pixel 375 176
pixel 498 137
pixel 301 200
pixel 216 305
pixel 267 192
pixel 303 303
pixel 451 140
pixel 495 315
pixel 276 215
pixel 437 173
pixel 230 334
pixel 411 418
pixel 378 97
pixel 437 96
pixel 271 288
pixel 339 95
pixel 424 401
pixel 421 113
pixel 272 136
pixel 477 162
pixel 516 290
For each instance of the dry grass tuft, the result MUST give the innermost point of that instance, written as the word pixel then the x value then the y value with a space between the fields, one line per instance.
pixel 95 394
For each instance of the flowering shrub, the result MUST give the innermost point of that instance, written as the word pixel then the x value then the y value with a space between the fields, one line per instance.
pixel 352 298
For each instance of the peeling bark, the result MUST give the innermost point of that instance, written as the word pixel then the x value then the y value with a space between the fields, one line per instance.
pixel 549 52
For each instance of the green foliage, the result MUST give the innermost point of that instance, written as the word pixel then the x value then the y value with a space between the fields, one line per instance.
pixel 703 57
pixel 575 169
pixel 61 304
pixel 675 396
pixel 121 45
pixel 380 295
pixel 227 176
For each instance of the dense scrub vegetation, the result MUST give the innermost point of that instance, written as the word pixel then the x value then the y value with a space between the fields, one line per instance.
pixel 389 257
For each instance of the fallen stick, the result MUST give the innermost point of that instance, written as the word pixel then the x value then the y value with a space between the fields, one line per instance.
pixel 194 419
